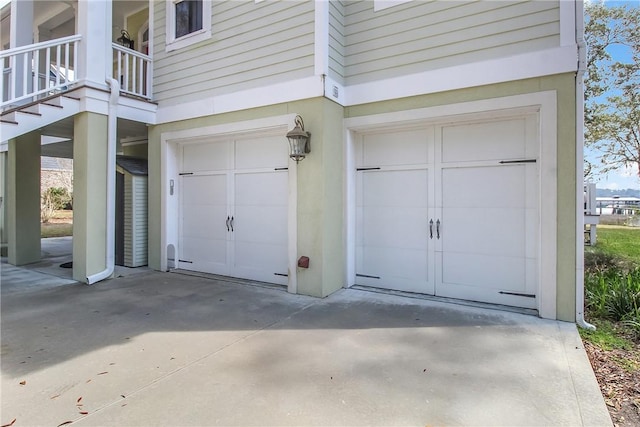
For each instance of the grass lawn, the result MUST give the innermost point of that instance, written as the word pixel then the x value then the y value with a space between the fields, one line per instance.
pixel 60 225
pixel 619 241
pixel 615 245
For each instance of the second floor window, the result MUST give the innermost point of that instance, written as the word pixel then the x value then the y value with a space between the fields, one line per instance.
pixel 188 22
pixel 188 15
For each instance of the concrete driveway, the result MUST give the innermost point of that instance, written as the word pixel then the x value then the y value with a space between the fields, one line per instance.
pixel 170 349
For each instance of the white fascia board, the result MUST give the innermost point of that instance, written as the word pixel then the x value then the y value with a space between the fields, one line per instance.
pixel 309 87
pixel 536 64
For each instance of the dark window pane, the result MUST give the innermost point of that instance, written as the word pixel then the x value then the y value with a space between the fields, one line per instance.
pixel 188 17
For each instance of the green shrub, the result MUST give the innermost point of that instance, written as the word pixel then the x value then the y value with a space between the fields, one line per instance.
pixel 614 294
pixel 595 287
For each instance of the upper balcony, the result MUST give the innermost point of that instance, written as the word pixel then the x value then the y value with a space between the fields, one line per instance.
pixel 76 45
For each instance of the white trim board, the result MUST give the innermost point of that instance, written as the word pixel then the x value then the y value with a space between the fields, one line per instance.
pixel 310 87
pixel 567 22
pixel 519 67
pixel 544 103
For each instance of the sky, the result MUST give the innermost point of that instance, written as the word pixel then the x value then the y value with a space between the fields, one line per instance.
pixel 625 177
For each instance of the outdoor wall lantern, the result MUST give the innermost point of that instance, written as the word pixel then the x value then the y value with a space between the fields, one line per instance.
pixel 299 145
pixel 125 39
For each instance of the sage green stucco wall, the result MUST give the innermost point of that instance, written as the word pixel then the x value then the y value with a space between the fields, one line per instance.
pixel 23 199
pixel 319 181
pixel 89 194
pixel 320 200
pixel 564 85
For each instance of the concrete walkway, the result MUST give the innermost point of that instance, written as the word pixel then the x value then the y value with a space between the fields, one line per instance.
pixel 157 349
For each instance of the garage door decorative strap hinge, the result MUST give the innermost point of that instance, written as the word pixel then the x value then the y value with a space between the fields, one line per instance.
pixel 518 294
pixel 185 173
pixel 506 162
pixel 367 169
pixel 367 276
pixel 184 260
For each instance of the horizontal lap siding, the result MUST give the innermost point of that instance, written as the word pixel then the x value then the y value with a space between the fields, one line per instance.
pixel 420 35
pixel 252 45
pixel 135 221
pixel 129 231
pixel 141 220
pixel 336 40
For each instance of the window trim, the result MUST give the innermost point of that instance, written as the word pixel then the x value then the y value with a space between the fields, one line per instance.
pixel 173 43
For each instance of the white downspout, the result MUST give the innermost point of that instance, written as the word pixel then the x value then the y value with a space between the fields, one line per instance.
pixel 580 167
pixel 112 122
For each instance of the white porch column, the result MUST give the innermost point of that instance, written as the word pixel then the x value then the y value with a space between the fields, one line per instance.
pixel 21 34
pixel 93 23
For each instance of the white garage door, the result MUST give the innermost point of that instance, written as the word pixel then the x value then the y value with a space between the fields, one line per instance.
pixel 233 210
pixel 450 210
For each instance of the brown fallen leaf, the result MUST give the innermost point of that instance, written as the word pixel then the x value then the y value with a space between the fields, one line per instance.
pixel 79 399
pixel 55 396
pixel 64 423
pixel 88 381
pixel 84 412
pixel 23 382
pixel 102 373
pixel 10 424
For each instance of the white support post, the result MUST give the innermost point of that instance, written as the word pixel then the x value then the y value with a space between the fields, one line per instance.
pixel 93 22
pixel 21 35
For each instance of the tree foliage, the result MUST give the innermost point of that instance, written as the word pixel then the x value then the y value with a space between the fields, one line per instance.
pixel 53 199
pixel 612 87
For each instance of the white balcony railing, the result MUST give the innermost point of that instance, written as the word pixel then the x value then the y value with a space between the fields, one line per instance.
pixel 590 207
pixel 37 70
pixel 134 71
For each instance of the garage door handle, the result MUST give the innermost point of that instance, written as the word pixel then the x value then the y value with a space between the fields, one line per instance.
pixel 431 229
pixel 228 223
pixel 438 229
